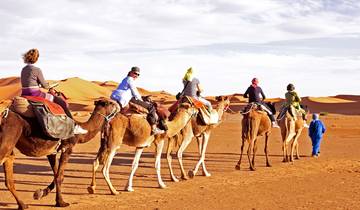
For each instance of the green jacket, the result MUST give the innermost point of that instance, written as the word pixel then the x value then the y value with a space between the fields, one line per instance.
pixel 292 99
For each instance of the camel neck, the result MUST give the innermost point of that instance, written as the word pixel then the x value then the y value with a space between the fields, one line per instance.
pixel 93 126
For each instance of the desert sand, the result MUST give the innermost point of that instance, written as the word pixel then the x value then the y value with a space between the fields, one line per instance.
pixel 331 181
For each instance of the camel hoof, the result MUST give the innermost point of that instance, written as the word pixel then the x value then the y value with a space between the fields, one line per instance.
pixel 297 158
pixel 207 174
pixel 129 189
pixel 174 179
pixel 62 204
pixel 284 161
pixel 91 189
pixel 191 174
pixel 162 186
pixel 268 165
pixel 252 168
pixel 38 194
pixel 237 167
pixel 22 206
pixel 114 192
pixel 184 177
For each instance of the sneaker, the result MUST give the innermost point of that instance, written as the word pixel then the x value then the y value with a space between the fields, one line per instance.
pixel 79 130
pixel 156 131
pixel 275 125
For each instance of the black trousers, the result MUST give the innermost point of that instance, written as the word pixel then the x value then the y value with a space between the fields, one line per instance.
pixel 63 105
pixel 152 117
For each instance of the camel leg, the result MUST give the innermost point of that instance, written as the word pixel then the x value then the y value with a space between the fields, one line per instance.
pixel 254 152
pixel 205 142
pixel 9 180
pixel 64 158
pixel 241 153
pixel 92 187
pixel 266 150
pixel 294 146
pixel 297 157
pixel 106 171
pixel 169 159
pixel 250 149
pixel 186 141
pixel 285 146
pixel 134 166
pixel 159 149
pixel 40 193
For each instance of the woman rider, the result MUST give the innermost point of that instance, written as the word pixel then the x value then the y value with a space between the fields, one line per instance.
pixel 32 79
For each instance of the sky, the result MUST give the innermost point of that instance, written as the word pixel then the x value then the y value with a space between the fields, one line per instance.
pixel 314 44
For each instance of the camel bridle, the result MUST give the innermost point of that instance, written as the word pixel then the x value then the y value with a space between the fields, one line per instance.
pixel 110 116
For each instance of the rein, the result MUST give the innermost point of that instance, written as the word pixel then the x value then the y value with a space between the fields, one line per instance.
pixel 110 116
pixel 252 105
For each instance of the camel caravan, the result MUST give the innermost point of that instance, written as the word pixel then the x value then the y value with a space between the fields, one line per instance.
pixel 40 123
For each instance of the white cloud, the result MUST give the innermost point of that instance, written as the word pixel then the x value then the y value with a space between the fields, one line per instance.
pixel 234 40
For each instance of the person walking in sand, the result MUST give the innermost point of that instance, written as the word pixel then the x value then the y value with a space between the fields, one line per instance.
pixel 32 79
pixel 316 132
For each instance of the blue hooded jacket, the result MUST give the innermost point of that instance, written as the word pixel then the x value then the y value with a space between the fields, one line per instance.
pixel 316 129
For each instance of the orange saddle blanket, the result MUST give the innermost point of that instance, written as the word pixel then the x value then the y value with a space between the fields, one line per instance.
pixel 54 108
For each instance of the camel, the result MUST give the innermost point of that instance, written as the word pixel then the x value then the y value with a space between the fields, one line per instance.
pixel 202 133
pixel 135 131
pixel 255 123
pixel 15 131
pixel 290 132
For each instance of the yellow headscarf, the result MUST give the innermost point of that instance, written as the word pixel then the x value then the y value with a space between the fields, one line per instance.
pixel 188 75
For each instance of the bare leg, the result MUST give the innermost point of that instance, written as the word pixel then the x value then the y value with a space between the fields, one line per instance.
pixel 9 180
pixel 92 188
pixel 192 173
pixel 187 137
pixel 40 193
pixel 169 158
pixel 250 149
pixel 64 158
pixel 106 169
pixel 134 166
pixel 266 150
pixel 159 149
pixel 241 153
pixel 254 153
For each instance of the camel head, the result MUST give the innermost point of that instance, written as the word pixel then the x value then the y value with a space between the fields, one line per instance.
pixel 106 107
pixel 223 101
pixel 223 105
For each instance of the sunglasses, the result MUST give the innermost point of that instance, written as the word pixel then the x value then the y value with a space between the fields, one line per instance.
pixel 137 74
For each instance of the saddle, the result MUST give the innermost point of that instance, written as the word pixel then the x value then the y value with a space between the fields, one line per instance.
pixel 286 109
pixel 206 117
pixel 251 106
pixel 50 116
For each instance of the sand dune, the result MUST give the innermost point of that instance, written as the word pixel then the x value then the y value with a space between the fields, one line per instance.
pixel 81 94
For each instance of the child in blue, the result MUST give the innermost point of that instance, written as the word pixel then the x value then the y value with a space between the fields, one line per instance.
pixel 316 131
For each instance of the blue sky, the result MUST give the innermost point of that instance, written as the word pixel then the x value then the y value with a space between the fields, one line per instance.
pixel 313 44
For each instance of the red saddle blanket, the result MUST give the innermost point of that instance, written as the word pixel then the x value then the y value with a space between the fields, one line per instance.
pixel 54 108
